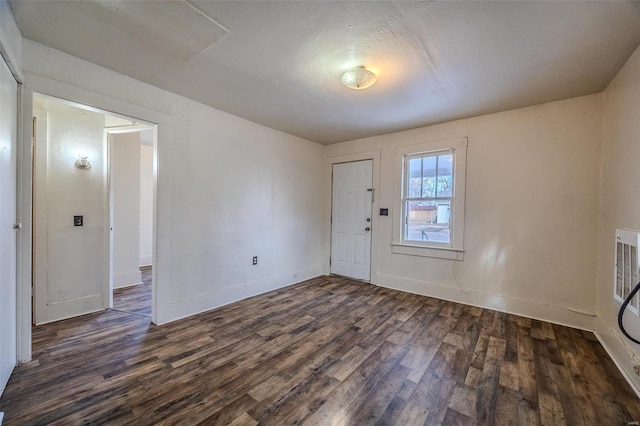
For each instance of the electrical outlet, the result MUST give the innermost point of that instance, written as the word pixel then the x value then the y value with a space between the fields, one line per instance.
pixel 78 221
pixel 255 260
pixel 636 369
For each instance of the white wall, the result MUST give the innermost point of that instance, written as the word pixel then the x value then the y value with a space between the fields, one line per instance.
pixel 619 204
pixel 146 203
pixel 125 208
pixel 531 212
pixel 70 270
pixel 227 189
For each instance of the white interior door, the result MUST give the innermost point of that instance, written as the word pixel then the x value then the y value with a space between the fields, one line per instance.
pixel 351 219
pixel 8 168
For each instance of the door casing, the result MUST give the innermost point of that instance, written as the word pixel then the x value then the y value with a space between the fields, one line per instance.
pixel 107 286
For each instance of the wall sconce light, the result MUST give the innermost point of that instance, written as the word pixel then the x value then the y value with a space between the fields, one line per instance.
pixel 82 163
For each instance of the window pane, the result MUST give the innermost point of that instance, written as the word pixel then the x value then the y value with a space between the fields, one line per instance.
pixel 429 176
pixel 428 221
pixel 445 175
pixel 415 178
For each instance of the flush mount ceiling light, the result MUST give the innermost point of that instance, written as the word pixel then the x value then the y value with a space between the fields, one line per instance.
pixel 358 78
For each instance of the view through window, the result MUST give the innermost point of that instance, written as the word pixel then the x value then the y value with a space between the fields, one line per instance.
pixel 428 197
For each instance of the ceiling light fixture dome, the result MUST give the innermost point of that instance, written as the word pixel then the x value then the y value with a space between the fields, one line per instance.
pixel 358 78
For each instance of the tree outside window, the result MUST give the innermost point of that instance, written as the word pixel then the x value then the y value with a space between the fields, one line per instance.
pixel 428 196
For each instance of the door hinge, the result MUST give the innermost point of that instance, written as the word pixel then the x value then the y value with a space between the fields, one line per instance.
pixel 329 261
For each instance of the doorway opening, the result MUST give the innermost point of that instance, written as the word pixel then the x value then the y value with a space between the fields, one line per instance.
pixel 131 210
pixel 93 210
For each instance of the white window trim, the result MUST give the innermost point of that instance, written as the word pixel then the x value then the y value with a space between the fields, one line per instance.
pixel 454 251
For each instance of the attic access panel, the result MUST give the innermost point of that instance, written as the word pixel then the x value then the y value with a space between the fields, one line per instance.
pixel 175 27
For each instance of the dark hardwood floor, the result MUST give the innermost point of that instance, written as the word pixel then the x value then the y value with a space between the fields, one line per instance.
pixel 136 298
pixel 323 352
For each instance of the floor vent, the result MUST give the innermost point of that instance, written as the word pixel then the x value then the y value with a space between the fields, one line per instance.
pixel 626 268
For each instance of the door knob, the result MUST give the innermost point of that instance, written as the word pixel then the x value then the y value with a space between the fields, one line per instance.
pixel 367 229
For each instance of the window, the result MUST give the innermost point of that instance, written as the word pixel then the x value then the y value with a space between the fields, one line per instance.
pixel 427 197
pixel 430 182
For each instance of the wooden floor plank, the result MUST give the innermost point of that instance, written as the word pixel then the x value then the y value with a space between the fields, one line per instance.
pixel 135 298
pixel 326 351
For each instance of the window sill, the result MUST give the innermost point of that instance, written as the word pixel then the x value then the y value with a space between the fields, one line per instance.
pixel 435 252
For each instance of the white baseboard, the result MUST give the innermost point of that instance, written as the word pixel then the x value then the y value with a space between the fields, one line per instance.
pixel 186 308
pixel 556 314
pixel 127 279
pixel 619 351
pixel 145 261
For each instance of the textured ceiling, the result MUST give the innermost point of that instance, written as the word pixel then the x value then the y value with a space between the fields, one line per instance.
pixel 280 62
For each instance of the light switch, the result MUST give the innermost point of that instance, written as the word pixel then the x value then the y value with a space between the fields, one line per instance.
pixel 78 220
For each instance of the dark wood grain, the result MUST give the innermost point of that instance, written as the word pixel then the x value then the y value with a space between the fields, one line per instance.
pixel 326 351
pixel 137 298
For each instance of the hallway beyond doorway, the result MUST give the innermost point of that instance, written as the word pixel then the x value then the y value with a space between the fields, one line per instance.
pixel 135 299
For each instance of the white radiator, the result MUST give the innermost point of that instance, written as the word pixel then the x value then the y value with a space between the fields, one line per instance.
pixel 626 268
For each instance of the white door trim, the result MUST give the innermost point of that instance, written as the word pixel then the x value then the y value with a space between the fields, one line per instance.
pixel 25 203
pixel 347 158
pixel 61 90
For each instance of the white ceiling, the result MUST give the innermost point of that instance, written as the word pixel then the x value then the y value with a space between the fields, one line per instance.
pixel 280 63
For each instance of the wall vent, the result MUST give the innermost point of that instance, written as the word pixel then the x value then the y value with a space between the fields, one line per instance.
pixel 626 268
